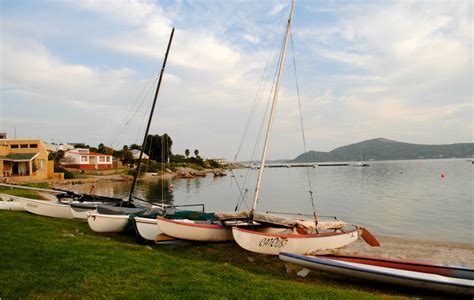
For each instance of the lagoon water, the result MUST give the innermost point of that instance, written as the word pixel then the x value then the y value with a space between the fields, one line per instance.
pixel 410 199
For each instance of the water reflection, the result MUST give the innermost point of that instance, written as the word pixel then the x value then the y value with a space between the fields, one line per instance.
pixel 157 191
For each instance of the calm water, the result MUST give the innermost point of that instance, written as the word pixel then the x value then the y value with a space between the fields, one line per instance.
pixel 398 198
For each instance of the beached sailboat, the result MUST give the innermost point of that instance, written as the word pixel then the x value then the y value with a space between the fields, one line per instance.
pixel 102 219
pixel 195 226
pixel 53 209
pixel 273 232
pixel 8 202
pixel 270 233
pixel 451 279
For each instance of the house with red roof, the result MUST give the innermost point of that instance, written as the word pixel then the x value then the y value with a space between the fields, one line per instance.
pixel 83 159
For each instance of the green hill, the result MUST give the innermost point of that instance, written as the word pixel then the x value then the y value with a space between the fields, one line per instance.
pixel 385 149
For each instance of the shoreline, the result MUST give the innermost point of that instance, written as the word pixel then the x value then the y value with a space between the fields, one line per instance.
pixel 436 252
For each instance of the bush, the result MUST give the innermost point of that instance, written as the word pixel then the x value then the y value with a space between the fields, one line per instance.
pixel 214 164
pixel 67 174
pixel 177 158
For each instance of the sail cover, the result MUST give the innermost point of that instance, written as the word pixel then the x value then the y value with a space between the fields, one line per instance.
pixel 280 220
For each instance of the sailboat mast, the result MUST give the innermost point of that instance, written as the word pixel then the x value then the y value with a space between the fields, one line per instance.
pixel 272 113
pixel 135 177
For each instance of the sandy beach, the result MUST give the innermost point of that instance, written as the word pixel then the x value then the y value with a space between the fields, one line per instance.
pixel 438 252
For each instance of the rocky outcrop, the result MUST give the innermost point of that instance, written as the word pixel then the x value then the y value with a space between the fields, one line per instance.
pixel 189 173
pixel 219 173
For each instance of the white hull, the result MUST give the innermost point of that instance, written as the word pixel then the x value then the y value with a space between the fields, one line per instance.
pixel 106 223
pixel 46 208
pixel 80 213
pixel 383 274
pixel 274 243
pixel 147 228
pixel 10 203
pixel 194 231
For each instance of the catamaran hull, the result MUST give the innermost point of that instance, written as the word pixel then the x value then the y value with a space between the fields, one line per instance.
pixel 274 243
pixel 106 223
pixel 81 213
pixel 46 208
pixel 194 231
pixel 390 272
pixel 10 203
pixel 147 228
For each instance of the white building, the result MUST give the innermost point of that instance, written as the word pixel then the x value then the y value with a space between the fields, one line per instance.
pixel 83 159
pixel 136 154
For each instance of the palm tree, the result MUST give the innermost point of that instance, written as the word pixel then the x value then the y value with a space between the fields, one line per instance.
pixel 186 152
pixel 196 153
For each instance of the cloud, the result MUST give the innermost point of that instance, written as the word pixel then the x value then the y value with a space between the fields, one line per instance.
pixel 276 9
pixel 396 70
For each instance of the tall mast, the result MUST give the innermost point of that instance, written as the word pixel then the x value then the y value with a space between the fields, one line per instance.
pixel 272 113
pixel 135 177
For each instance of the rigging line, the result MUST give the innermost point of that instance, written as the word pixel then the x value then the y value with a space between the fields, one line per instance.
pixel 272 53
pixel 240 189
pixel 262 124
pixel 123 128
pixel 252 111
pixel 149 151
pixel 192 196
pixel 302 129
pixel 150 80
pixel 143 120
pixel 162 167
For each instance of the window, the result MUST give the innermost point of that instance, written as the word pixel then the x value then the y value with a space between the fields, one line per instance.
pixel 108 158
pixel 101 158
pixel 23 145
pixel 84 158
pixel 41 164
pixel 33 145
pixel 15 146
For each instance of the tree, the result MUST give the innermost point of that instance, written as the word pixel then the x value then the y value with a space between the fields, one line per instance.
pixel 196 153
pixel 135 147
pixel 58 156
pixel 127 155
pixel 186 152
pixel 104 149
pixel 158 148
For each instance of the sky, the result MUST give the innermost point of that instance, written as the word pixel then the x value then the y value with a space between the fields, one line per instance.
pixel 86 71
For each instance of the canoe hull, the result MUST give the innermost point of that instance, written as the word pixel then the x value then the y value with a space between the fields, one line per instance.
pixel 194 231
pixel 274 243
pixel 383 274
pixel 106 223
pixel 147 228
pixel 46 208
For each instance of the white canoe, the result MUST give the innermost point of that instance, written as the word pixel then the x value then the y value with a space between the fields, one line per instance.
pixel 393 274
pixel 194 230
pixel 9 202
pixel 106 223
pixel 147 228
pixel 274 243
pixel 46 208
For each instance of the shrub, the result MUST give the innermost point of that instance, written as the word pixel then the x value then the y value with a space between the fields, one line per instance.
pixel 214 164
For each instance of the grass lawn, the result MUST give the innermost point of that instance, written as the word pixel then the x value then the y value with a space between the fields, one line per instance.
pixel 24 193
pixel 45 258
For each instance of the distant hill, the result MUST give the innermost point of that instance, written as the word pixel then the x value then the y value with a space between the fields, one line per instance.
pixel 385 149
